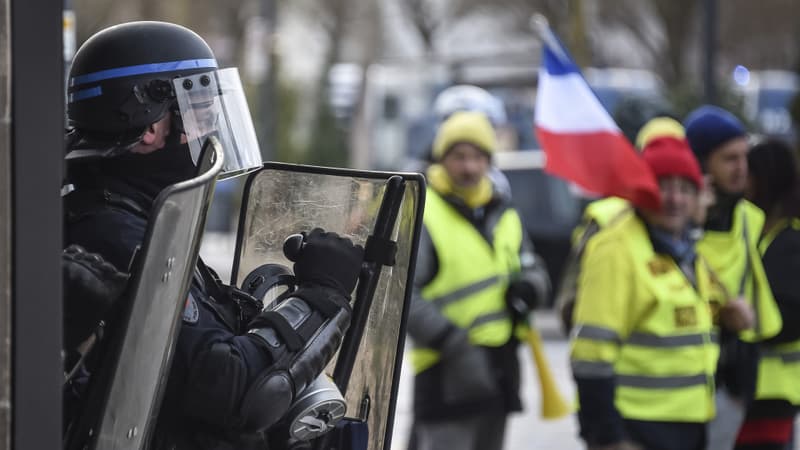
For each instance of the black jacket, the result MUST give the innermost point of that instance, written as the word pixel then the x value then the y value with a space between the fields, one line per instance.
pixel 201 399
pixel 782 266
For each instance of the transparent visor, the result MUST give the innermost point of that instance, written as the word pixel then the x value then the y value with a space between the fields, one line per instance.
pixel 213 104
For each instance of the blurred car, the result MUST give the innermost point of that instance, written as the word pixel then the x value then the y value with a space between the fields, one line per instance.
pixel 631 96
pixel 549 206
pixel 612 85
pixel 767 97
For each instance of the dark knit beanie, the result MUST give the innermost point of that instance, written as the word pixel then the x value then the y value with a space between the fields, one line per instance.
pixel 708 127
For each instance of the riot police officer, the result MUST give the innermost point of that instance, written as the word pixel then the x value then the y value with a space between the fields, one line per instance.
pixel 234 371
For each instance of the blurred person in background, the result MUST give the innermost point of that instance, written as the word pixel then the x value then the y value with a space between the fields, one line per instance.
pixel 731 232
pixel 643 353
pixel 459 97
pixel 773 186
pixel 476 280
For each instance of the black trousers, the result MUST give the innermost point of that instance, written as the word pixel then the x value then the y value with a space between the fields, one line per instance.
pixel 666 435
pixel 480 432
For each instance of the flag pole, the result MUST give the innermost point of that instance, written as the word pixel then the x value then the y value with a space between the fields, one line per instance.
pixel 540 25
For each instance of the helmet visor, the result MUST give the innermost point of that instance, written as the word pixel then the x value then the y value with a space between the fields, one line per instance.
pixel 213 104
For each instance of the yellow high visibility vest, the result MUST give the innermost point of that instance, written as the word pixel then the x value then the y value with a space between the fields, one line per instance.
pixel 734 257
pixel 602 212
pixel 469 287
pixel 779 367
pixel 639 319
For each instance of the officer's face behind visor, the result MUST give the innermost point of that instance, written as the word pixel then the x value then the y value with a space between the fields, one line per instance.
pixel 213 104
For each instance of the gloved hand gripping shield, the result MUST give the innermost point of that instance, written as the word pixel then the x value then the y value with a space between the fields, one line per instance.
pixel 380 211
pixel 213 104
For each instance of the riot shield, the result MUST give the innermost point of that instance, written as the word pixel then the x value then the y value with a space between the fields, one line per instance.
pixel 125 392
pixel 370 208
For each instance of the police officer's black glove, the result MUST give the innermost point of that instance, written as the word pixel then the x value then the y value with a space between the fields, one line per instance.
pixel 521 298
pixel 329 260
pixel 91 287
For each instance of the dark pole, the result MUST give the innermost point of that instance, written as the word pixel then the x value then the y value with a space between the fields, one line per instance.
pixel 37 139
pixel 709 50
pixel 268 98
pixel 6 225
pixel 368 281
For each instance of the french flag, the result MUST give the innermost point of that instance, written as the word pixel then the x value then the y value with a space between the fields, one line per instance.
pixel 580 139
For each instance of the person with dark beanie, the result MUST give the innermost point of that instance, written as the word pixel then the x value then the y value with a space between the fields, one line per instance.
pixel 731 231
pixel 773 185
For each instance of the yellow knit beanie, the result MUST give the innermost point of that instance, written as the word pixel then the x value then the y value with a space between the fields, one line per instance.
pixel 659 127
pixel 465 126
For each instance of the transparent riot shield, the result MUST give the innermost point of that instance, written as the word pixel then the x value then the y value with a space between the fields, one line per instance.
pixel 370 208
pixel 125 392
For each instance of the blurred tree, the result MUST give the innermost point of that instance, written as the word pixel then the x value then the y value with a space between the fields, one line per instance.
pixel 432 18
pixel 578 42
pixel 220 23
pixel 755 34
pixel 353 32
pixel 667 42
pixel 427 19
pixel 759 35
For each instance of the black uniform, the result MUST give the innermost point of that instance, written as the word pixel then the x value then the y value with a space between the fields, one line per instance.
pixel 216 361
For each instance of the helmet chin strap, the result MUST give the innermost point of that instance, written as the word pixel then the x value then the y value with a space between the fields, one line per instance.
pixel 80 144
pixel 175 133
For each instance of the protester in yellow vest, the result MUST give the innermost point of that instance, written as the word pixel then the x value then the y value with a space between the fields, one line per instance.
pixel 773 186
pixel 729 243
pixel 643 352
pixel 601 213
pixel 476 278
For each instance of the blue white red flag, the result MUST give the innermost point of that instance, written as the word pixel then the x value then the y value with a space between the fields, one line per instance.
pixel 579 137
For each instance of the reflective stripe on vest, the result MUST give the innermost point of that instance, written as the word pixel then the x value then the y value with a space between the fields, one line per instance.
pixel 779 372
pixel 465 291
pixel 665 382
pixel 661 352
pixel 469 287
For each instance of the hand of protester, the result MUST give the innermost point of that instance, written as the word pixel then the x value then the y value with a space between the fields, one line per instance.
pixel 330 260
pixel 521 298
pixel 737 315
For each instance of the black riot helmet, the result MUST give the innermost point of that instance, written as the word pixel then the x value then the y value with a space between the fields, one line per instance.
pixel 131 75
pixel 120 79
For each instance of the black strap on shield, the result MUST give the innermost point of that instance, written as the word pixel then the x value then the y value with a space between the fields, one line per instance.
pixel 379 251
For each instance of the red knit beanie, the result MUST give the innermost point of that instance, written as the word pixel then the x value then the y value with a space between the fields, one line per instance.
pixel 670 156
